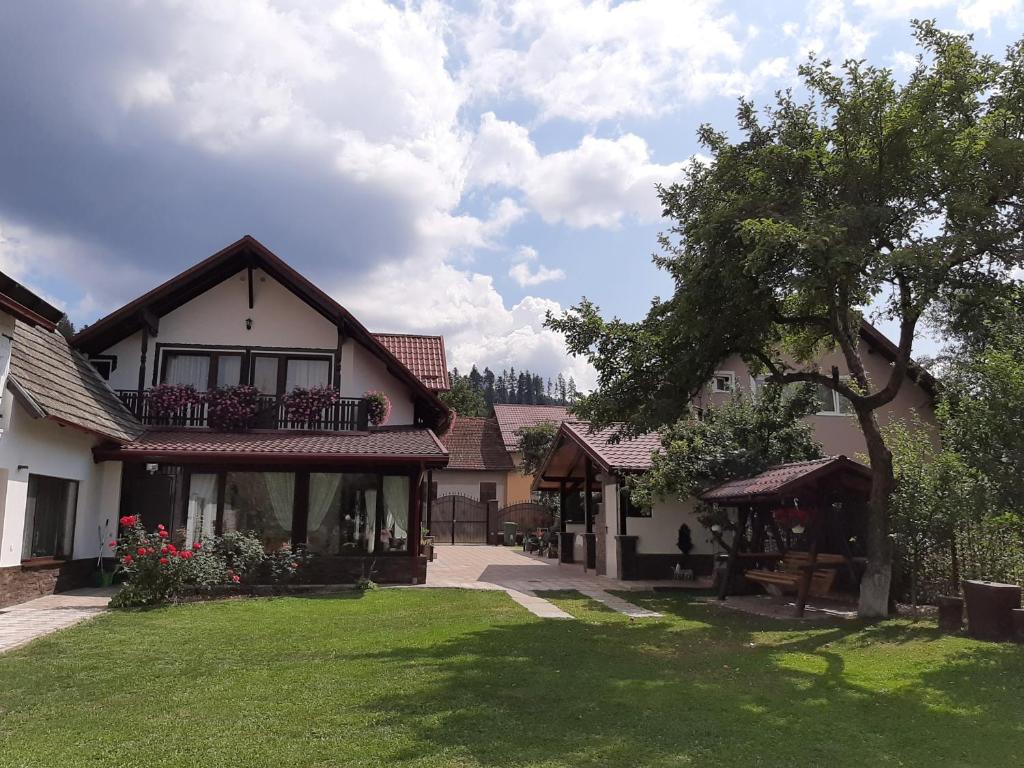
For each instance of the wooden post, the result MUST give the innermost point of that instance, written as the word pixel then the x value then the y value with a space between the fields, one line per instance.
pixel 415 513
pixel 622 512
pixel 808 574
pixel 430 497
pixel 142 368
pixel 562 497
pixel 588 499
pixel 737 543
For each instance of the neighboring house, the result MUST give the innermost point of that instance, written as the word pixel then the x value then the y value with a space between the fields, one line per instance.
pixel 478 464
pixel 57 505
pixel 511 419
pixel 626 540
pixel 325 479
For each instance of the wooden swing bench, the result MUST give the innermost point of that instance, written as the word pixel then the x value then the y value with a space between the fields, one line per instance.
pixel 793 565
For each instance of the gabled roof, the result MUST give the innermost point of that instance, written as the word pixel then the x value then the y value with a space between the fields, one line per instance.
pixel 423 355
pixel 511 418
pixel 476 444
pixel 785 479
pixel 397 444
pixel 575 440
pixel 245 253
pixel 53 381
pixel 26 306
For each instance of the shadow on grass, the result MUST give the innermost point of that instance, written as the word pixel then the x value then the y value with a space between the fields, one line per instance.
pixel 703 686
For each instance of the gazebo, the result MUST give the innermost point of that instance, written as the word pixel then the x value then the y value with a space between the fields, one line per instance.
pixel 794 526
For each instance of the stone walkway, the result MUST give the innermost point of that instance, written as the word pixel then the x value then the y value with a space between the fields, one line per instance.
pixel 522 576
pixel 20 624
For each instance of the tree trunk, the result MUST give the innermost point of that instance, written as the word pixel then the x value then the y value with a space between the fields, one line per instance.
pixel 874 586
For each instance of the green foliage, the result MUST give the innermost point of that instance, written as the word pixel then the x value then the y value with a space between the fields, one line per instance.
pixel 464 398
pixel 740 438
pixel 535 442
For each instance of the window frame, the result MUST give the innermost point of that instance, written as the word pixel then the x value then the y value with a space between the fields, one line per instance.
pixel 282 358
pixel 730 375
pixel 75 485
pixel 837 402
pixel 631 509
pixel 247 366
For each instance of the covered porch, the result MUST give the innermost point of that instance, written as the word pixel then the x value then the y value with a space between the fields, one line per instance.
pixel 351 501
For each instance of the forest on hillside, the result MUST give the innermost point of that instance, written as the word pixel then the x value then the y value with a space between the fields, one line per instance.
pixel 476 393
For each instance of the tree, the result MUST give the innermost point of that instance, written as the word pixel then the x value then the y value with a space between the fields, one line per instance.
pixel 463 398
pixel 738 439
pixel 867 191
pixel 66 327
pixel 535 442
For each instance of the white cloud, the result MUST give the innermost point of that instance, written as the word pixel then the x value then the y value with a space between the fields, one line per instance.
pixel 464 306
pixel 523 275
pixel 592 61
pixel 980 14
pixel 596 184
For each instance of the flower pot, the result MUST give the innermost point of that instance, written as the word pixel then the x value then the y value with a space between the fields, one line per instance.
pixel 989 606
pixel 951 613
pixel 1017 619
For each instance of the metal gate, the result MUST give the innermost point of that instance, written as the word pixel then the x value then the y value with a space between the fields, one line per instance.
pixel 458 520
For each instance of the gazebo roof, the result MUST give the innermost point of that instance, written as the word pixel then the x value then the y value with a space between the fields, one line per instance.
pixel 787 479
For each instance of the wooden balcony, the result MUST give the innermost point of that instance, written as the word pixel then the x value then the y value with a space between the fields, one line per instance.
pixel 349 414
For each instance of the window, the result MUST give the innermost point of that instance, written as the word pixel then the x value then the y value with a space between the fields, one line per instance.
pixel 49 517
pixel 632 510
pixel 264 374
pixel 723 381
pixel 202 508
pixel 262 502
pixel 278 374
pixel 307 374
pixel 342 513
pixel 104 365
pixel 202 370
pixel 831 402
pixel 488 492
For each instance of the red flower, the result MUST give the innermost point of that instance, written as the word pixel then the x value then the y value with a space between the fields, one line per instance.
pixel 186 555
pixel 164 561
pixel 162 534
pixel 129 520
pixel 163 550
pixel 141 550
pixel 160 527
pixel 150 550
pixel 171 548
pixel 113 544
pixel 236 578
pixel 197 545
pixel 127 559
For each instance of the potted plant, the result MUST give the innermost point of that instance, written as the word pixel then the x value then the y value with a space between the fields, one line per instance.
pixel 308 405
pixel 378 408
pixel 231 408
pixel 168 403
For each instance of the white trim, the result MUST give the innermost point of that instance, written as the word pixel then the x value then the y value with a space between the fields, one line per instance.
pixel 731 375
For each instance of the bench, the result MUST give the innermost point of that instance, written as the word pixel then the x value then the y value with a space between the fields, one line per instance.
pixel 793 564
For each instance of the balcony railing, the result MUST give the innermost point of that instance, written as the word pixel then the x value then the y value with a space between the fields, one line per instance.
pixel 346 415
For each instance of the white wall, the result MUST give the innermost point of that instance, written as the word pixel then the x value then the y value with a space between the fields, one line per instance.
pixel 466 482
pixel 658 533
pixel 280 320
pixel 49 449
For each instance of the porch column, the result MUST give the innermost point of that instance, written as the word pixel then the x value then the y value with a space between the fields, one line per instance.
pixel 430 497
pixel 415 513
pixel 588 499
pixel 142 369
pixel 562 496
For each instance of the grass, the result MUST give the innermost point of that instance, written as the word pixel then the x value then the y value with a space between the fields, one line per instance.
pixel 453 678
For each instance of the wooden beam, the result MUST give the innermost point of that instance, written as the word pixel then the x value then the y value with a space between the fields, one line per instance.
pixel 144 350
pixel 150 321
pixel 588 499
pixel 562 496
pixel 248 270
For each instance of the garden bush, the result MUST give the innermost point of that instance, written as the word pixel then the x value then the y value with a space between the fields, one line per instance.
pixel 155 570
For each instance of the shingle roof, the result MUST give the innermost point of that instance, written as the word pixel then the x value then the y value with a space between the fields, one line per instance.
pixel 778 480
pixel 396 443
pixel 512 418
pixel 476 444
pixel 423 355
pixel 64 387
pixel 627 455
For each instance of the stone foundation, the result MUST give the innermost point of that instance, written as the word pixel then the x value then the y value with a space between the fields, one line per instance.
pixel 19 583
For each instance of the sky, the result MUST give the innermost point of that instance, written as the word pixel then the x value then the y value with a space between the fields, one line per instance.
pixel 458 169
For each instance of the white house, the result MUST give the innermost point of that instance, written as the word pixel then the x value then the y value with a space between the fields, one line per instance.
pixel 134 416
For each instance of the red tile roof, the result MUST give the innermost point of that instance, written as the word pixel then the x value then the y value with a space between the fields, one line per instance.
pixel 512 418
pixel 423 355
pixel 383 445
pixel 476 444
pixel 783 478
pixel 627 455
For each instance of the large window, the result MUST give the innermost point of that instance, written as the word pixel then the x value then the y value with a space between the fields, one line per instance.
pixel 202 370
pixel 831 402
pixel 50 517
pixel 278 374
pixel 262 502
pixel 201 521
pixel 351 513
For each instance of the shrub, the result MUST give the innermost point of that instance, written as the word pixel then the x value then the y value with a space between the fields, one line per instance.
pixel 378 407
pixel 232 408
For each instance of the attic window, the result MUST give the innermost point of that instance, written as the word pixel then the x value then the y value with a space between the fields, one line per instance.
pixel 723 381
pixel 104 365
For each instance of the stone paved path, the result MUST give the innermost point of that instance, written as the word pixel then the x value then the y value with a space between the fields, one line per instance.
pixel 522 576
pixel 22 623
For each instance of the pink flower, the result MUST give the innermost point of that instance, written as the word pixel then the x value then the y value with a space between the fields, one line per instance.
pixel 197 545
pixel 140 551
pixel 236 578
pixel 162 534
pixel 164 561
pixel 113 544
pixel 127 559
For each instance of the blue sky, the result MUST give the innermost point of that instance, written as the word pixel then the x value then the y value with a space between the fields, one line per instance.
pixel 457 169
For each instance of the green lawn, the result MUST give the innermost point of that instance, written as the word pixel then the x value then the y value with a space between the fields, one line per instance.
pixel 452 678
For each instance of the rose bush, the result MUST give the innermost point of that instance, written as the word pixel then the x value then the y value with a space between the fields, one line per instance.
pixel 157 571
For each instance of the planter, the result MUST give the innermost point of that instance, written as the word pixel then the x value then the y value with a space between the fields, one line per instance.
pixel 1017 620
pixel 951 614
pixel 989 609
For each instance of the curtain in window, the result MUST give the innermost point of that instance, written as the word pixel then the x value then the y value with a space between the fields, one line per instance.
pixel 264 375
pixel 202 508
pixel 49 517
pixel 281 492
pixel 370 512
pixel 323 489
pixel 188 369
pixel 306 374
pixel 396 510
pixel 229 370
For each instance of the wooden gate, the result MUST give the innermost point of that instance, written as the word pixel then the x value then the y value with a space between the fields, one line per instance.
pixel 526 514
pixel 458 520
